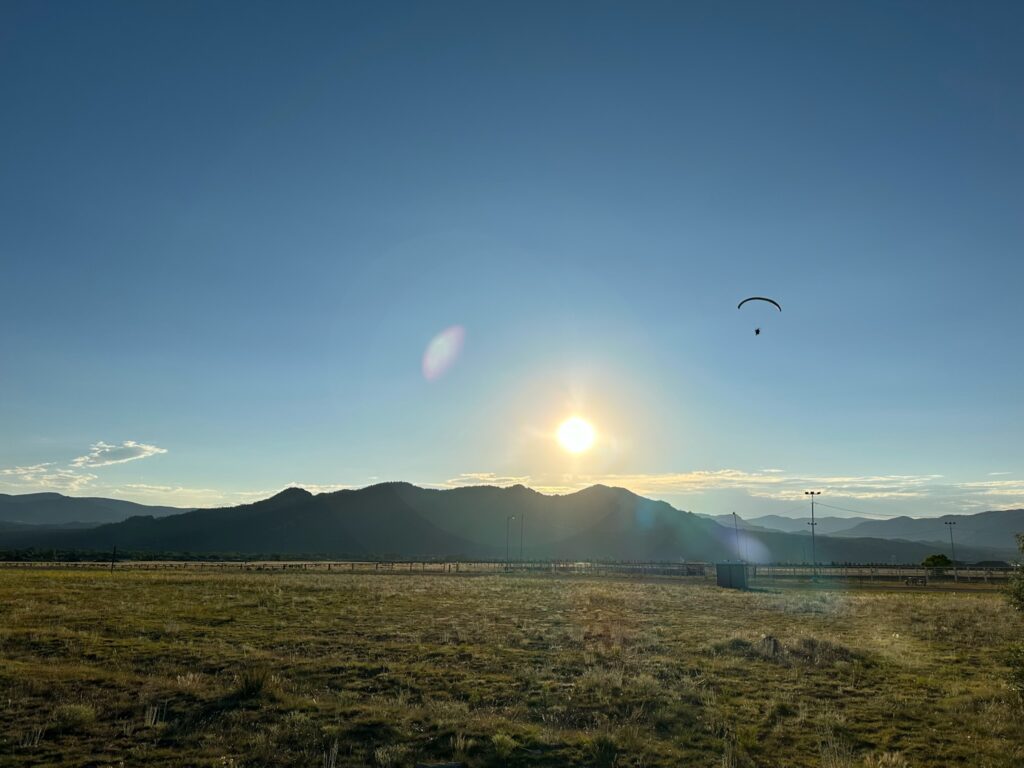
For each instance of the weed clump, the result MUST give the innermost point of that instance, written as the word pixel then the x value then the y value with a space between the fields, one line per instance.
pixel 807 650
pixel 504 745
pixel 390 756
pixel 73 717
pixel 886 760
pixel 254 684
pixel 602 749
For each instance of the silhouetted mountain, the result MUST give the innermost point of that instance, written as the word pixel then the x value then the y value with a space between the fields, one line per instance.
pixel 996 529
pixel 403 521
pixel 57 509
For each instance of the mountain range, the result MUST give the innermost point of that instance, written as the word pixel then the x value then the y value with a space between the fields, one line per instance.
pixel 57 509
pixel 400 520
pixel 994 529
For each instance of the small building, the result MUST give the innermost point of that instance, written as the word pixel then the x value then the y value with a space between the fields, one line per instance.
pixel 731 575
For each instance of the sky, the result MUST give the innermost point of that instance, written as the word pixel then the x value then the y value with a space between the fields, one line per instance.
pixel 231 231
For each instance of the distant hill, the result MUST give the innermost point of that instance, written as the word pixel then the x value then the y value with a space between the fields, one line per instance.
pixel 57 509
pixel 399 520
pixel 995 529
pixel 826 526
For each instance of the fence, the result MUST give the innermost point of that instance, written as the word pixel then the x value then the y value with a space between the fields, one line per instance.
pixel 625 568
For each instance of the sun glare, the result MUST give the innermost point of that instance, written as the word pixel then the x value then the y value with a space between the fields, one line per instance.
pixel 576 435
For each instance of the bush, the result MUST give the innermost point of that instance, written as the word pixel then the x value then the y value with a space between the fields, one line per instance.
pixel 937 561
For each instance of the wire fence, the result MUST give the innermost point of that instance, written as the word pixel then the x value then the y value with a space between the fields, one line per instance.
pixel 908 574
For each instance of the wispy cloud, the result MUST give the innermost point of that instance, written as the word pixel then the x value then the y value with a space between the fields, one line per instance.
pixel 483 478
pixel 44 477
pixel 73 477
pixel 104 454
pixel 184 496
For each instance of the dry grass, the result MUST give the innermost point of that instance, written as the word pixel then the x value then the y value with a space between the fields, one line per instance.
pixel 218 669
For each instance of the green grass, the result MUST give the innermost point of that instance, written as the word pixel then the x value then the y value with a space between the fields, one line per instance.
pixel 318 669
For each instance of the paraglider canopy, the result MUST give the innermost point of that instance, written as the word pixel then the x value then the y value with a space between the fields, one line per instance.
pixel 760 298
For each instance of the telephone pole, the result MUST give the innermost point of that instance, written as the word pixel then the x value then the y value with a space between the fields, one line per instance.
pixel 736 527
pixel 814 554
pixel 952 548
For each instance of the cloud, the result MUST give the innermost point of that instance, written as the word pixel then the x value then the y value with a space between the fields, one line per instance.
pixel 1012 488
pixel 44 477
pixel 183 496
pixel 483 478
pixel 104 454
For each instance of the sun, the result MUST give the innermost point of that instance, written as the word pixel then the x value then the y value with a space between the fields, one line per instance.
pixel 576 435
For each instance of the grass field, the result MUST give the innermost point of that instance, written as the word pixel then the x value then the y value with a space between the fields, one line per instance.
pixel 315 669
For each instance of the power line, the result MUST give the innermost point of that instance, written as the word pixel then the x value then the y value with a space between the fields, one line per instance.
pixel 862 512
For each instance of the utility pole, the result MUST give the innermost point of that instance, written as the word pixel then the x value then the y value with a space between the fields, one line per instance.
pixel 736 526
pixel 814 554
pixel 508 528
pixel 952 548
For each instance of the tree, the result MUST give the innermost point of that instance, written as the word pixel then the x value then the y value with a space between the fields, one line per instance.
pixel 1017 580
pixel 1016 656
pixel 937 561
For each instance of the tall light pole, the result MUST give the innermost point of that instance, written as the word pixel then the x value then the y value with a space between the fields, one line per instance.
pixel 522 526
pixel 736 526
pixel 814 554
pixel 952 548
pixel 508 528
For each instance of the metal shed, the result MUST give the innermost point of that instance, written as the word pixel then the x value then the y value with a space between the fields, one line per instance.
pixel 731 575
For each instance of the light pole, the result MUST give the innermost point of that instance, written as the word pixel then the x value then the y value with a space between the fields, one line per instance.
pixel 952 548
pixel 522 526
pixel 814 554
pixel 736 526
pixel 508 528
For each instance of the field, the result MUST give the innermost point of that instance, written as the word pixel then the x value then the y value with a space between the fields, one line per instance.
pixel 335 669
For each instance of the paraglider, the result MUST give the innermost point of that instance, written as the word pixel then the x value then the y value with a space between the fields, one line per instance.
pixel 773 302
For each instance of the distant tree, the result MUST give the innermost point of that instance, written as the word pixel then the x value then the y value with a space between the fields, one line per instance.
pixel 937 561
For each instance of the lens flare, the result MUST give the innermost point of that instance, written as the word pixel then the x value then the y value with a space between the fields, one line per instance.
pixel 576 435
pixel 442 351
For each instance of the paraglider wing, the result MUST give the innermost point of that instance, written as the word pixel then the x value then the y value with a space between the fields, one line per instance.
pixel 760 298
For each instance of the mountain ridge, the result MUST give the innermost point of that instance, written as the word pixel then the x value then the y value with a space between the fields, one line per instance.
pixel 401 520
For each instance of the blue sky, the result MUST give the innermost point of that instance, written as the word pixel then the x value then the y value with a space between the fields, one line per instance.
pixel 231 230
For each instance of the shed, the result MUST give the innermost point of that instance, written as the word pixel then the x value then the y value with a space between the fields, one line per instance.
pixel 731 575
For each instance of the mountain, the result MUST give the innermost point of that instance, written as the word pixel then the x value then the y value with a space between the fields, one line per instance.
pixel 57 509
pixel 399 520
pixel 995 529
pixel 826 526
